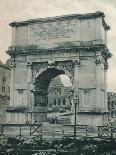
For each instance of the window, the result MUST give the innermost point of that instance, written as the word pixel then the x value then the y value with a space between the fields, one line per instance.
pixel 54 102
pixel 4 79
pixel 50 103
pixel 9 89
pixel 59 101
pixel 70 102
pixel 108 104
pixel 64 101
pixel 3 89
pixel 112 113
pixel 59 92
pixel 112 104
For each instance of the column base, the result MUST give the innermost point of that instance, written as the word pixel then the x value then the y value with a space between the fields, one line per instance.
pixel 16 118
pixel 17 114
pixel 40 114
pixel 20 116
pixel 92 119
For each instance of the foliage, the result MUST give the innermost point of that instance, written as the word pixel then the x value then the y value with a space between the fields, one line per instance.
pixel 34 146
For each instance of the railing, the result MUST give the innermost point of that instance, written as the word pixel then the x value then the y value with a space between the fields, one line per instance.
pixel 52 132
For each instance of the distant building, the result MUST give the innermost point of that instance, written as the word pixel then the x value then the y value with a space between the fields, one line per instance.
pixel 4 80
pixel 4 90
pixel 59 96
pixel 111 97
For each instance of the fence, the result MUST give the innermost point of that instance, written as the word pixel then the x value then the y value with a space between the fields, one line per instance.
pixel 56 131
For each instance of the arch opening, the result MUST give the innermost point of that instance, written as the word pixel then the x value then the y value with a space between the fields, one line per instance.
pixel 41 92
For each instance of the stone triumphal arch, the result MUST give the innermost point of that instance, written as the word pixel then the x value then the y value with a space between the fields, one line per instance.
pixel 43 48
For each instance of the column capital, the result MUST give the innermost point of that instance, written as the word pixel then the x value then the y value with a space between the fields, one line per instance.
pixel 29 64
pixel 105 65
pixel 98 61
pixel 12 64
pixel 77 61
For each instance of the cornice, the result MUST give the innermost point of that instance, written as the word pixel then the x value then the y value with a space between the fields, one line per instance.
pixel 17 109
pixel 106 27
pixel 98 14
pixel 33 50
pixel 94 112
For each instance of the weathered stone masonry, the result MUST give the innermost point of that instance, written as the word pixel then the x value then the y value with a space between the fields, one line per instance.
pixel 41 49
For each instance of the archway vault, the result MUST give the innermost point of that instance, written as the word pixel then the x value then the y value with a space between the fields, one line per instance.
pixel 43 77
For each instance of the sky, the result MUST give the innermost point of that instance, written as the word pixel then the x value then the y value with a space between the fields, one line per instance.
pixel 17 10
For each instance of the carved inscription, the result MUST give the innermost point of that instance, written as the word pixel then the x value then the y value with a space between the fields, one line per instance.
pixel 55 30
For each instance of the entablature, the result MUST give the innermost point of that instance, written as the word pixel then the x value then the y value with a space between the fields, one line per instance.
pixel 34 50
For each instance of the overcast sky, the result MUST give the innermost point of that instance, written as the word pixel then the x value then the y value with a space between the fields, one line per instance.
pixel 16 10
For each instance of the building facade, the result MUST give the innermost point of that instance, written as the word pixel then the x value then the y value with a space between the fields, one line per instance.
pixel 4 80
pixel 111 97
pixel 4 90
pixel 59 96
